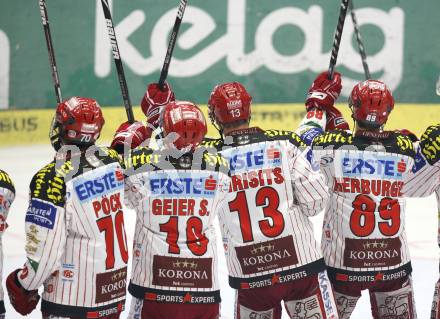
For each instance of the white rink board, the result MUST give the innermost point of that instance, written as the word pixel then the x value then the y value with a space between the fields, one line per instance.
pixel 421 224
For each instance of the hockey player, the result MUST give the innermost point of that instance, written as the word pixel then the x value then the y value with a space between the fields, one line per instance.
pixel 424 181
pixel 75 237
pixel 268 238
pixel 364 242
pixel 176 192
pixel 7 195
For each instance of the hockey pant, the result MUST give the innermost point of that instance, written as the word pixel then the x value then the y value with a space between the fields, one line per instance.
pixel 145 309
pixel 308 298
pixel 435 310
pixel 392 299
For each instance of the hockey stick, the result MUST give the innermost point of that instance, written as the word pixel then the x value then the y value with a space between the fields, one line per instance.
pixel 337 38
pixel 52 61
pixel 117 59
pixel 172 43
pixel 360 42
pixel 437 88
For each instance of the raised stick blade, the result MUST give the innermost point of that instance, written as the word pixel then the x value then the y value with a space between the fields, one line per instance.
pixel 437 87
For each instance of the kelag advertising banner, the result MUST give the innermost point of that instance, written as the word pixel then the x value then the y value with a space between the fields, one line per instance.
pixel 274 47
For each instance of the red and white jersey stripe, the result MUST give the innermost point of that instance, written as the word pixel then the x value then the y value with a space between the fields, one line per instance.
pixel 364 223
pixel 7 196
pixel 76 243
pixel 425 176
pixel 275 188
pixel 176 201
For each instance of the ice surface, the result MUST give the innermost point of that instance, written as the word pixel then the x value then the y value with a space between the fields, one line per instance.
pixel 421 225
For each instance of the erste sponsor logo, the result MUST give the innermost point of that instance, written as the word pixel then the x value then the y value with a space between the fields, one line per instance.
pixel 184 185
pixel 98 185
pixel 378 166
pixel 255 158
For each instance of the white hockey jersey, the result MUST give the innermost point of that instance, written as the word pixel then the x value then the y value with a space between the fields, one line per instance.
pixel 7 195
pixel 176 201
pixel 76 243
pixel 425 177
pixel 267 235
pixel 364 236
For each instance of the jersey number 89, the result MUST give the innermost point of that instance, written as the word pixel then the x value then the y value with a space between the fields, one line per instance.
pixel 363 218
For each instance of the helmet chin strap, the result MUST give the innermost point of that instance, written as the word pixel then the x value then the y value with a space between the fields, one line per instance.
pixel 352 117
pixel 55 135
pixel 214 123
pixel 218 127
pixel 220 131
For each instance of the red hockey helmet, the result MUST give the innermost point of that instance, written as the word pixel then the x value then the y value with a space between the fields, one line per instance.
pixel 187 121
pixel 371 102
pixel 229 102
pixel 79 120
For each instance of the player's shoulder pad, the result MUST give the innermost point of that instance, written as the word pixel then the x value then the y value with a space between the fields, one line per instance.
pixel 111 154
pixel 292 137
pixel 215 143
pixel 336 138
pixel 6 181
pixel 214 161
pixel 402 144
pixel 142 157
pixel 430 144
pixel 49 184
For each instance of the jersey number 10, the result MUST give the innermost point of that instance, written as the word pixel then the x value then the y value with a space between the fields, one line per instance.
pixel 195 238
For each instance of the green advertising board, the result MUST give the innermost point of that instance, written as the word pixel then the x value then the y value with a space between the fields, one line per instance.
pixel 274 47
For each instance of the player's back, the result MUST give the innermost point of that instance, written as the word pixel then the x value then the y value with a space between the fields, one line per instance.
pixel 364 223
pixel 425 177
pixel 176 200
pixel 7 196
pixel 76 236
pixel 267 235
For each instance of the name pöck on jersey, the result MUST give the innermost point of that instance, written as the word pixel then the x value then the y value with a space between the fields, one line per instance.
pixel 257 157
pixel 184 184
pixel 372 165
pixel 41 213
pixel 98 184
